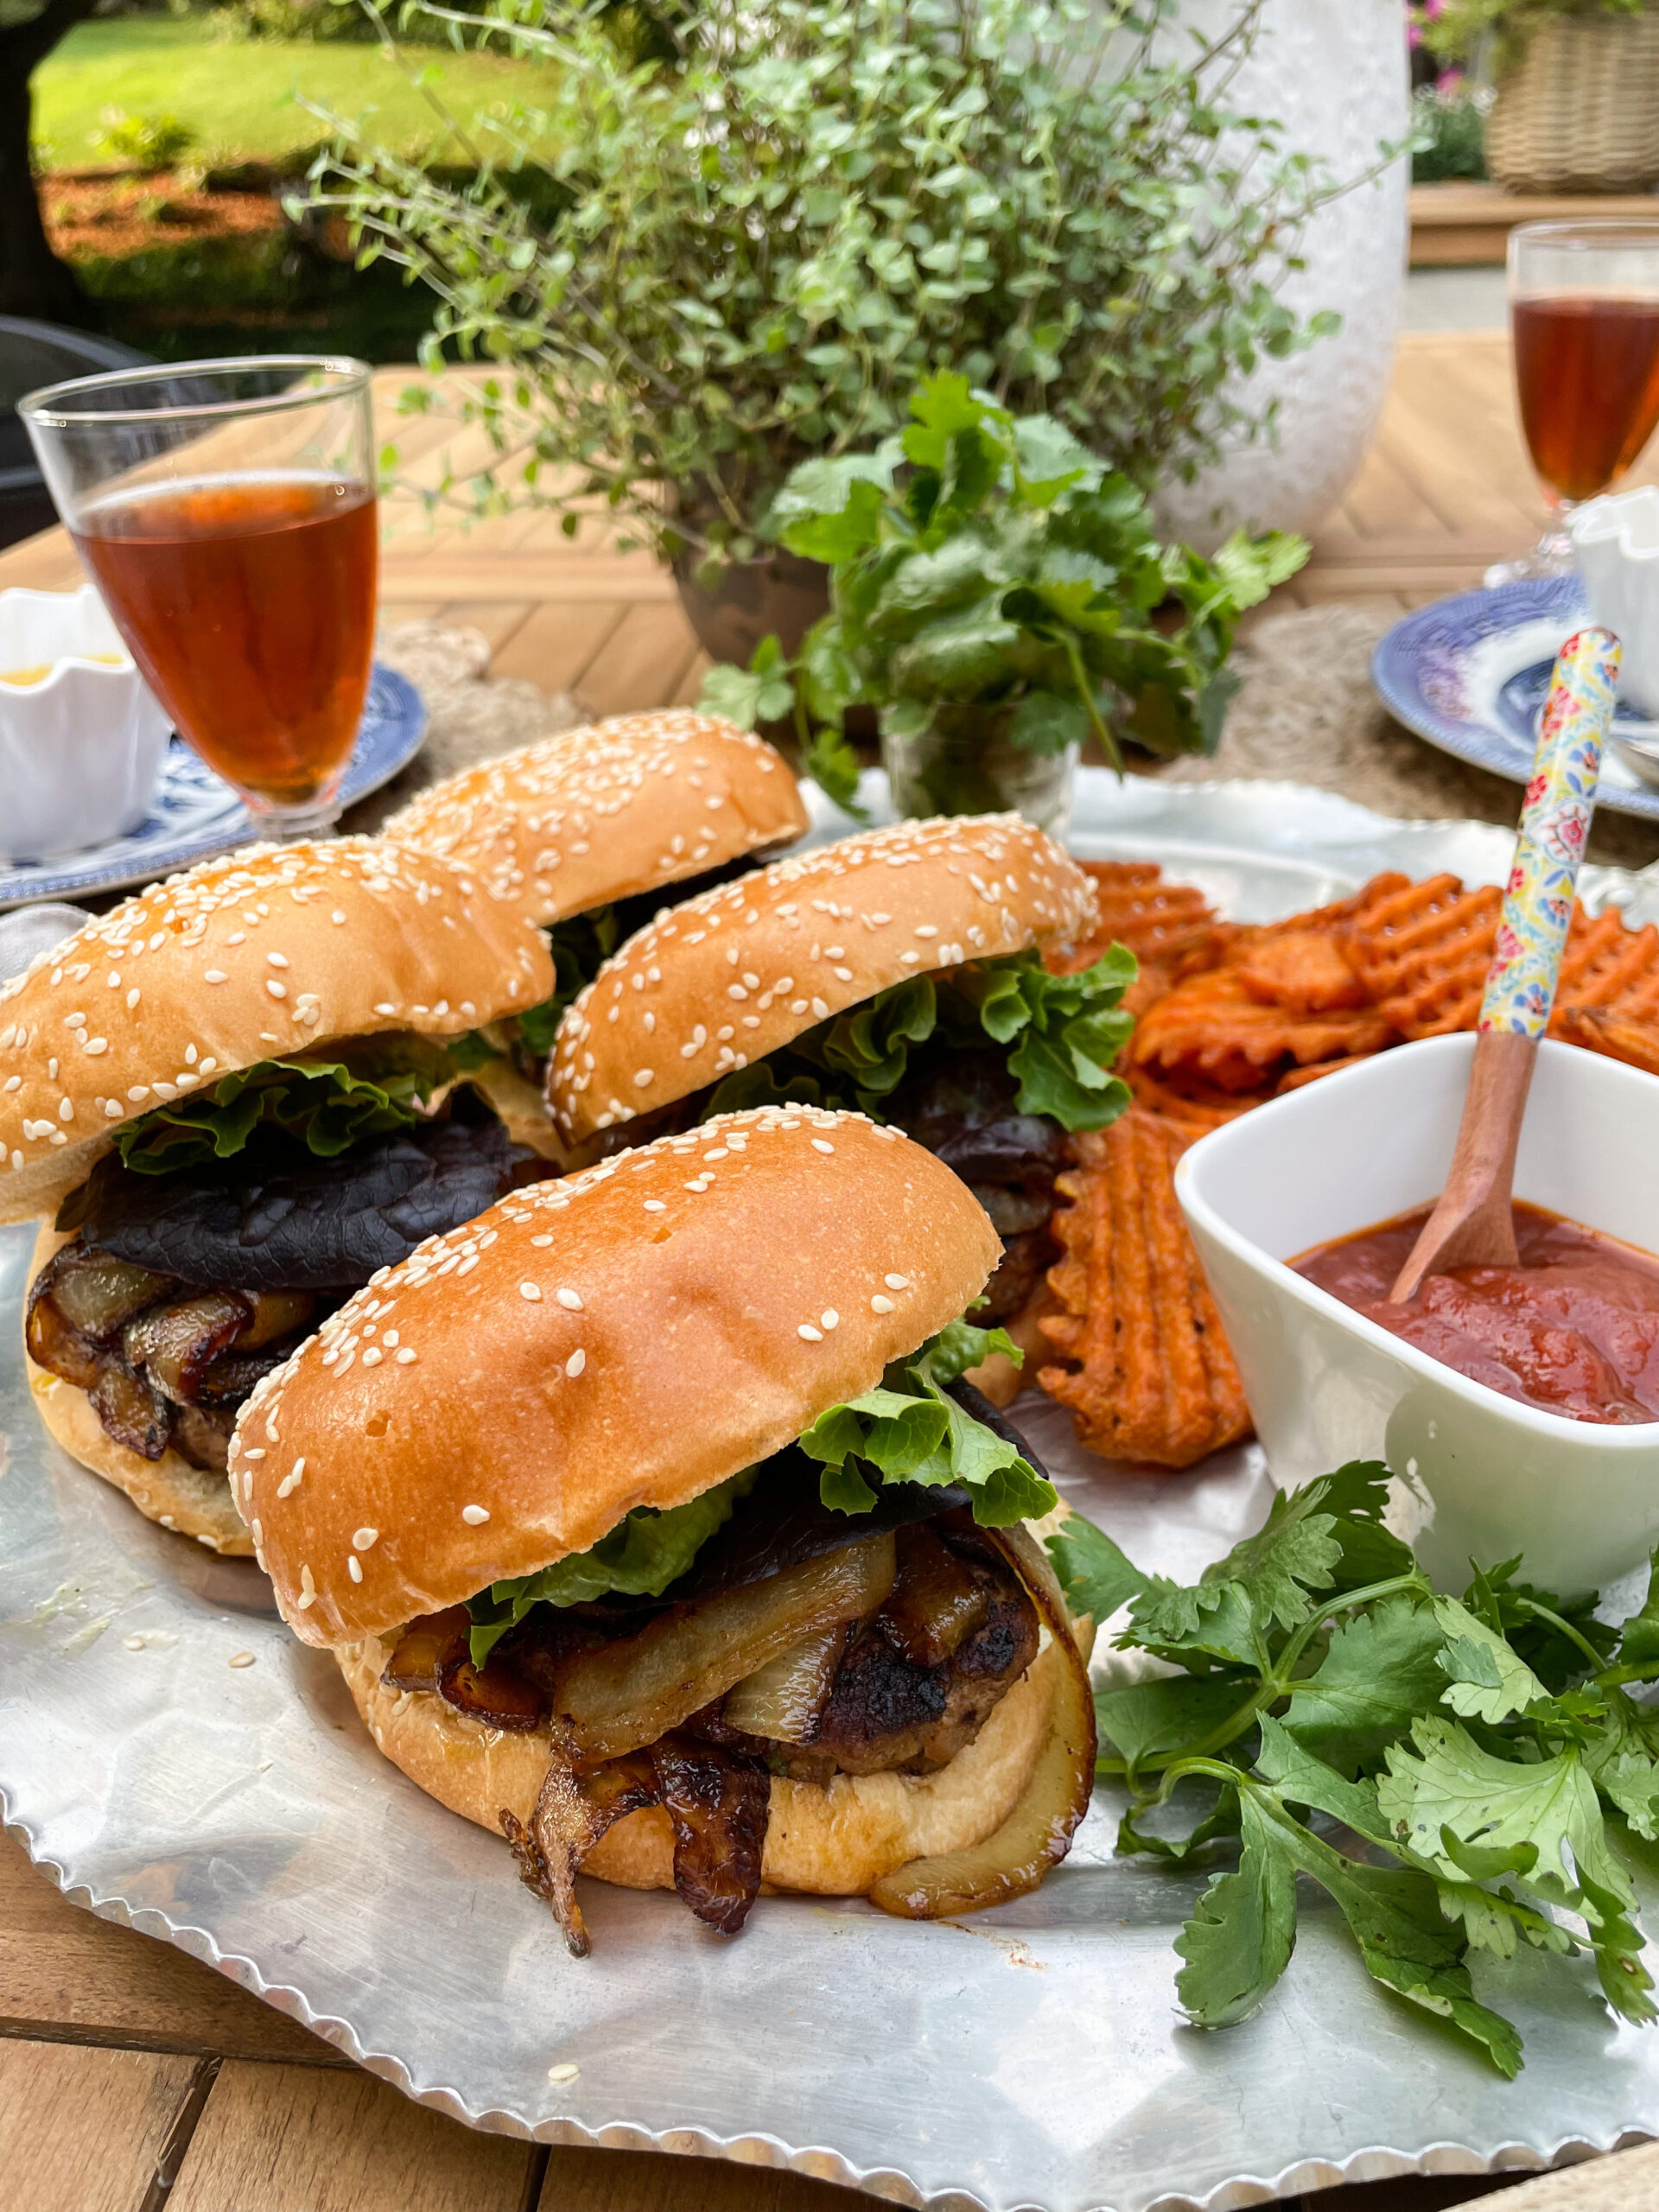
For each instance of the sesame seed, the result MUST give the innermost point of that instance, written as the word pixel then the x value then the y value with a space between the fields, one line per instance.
pixel 353 1568
pixel 254 1452
pixel 821 1144
pixel 574 1366
pixel 532 1290
pixel 277 990
pixel 240 1659
pixel 812 1336
pixel 880 1305
pixel 406 1356
pixel 655 1205
pixel 373 1355
pixel 643 1076
pixel 364 1539
pixel 276 960
pixel 95 1044
pixel 566 2073
pixel 474 1515
pixel 820 1010
pixel 386 1007
pixel 897 1282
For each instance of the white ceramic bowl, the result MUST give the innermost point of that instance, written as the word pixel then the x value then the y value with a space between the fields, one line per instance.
pixel 1482 1476
pixel 81 749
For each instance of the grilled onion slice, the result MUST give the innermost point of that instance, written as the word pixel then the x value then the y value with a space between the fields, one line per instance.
pixel 1037 1834
pixel 783 1699
pixel 627 1694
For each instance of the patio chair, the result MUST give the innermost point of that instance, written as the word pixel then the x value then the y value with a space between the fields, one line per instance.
pixel 31 354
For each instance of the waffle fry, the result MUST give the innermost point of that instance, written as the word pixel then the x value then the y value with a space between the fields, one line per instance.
pixel 1304 971
pixel 1170 927
pixel 1210 1029
pixel 1147 1372
pixel 1610 968
pixel 1617 1036
pixel 1421 951
pixel 1192 1108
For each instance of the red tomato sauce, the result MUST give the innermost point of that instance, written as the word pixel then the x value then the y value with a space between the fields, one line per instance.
pixel 1574 1329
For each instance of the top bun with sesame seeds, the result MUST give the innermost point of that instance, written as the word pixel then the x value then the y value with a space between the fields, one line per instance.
pixel 603 812
pixel 745 968
pixel 630 1337
pixel 267 952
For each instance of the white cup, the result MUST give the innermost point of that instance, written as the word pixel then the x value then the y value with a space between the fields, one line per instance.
pixel 1616 550
pixel 81 747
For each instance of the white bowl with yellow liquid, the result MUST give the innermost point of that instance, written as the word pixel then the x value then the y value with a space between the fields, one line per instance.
pixel 82 738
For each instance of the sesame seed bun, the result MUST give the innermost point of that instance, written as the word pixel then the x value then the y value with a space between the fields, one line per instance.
pixel 601 813
pixel 630 1336
pixel 836 1838
pixel 266 952
pixel 734 975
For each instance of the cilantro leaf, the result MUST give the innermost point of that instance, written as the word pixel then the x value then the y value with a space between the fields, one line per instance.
pixel 909 1431
pixel 1263 1582
pixel 1094 1574
pixel 1488 1681
pixel 1243 1931
pixel 1381 1669
pixel 637 1559
pixel 1148 1721
pixel 320 1103
pixel 1638 1644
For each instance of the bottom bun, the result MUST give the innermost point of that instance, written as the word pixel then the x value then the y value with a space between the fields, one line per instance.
pixel 192 1500
pixel 836 1838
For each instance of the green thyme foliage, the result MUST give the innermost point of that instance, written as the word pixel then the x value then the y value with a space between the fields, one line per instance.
pixel 753 246
pixel 911 1431
pixel 1455 29
pixel 1458 1776
pixel 1062 1034
pixel 981 559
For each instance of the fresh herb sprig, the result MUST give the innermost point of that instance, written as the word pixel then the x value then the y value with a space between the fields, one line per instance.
pixel 978 558
pixel 1458 1775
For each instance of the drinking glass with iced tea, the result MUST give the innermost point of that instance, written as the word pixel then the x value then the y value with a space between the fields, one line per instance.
pixel 226 511
pixel 1584 310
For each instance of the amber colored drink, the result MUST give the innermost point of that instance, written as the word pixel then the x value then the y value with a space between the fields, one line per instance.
pixel 248 602
pixel 1588 374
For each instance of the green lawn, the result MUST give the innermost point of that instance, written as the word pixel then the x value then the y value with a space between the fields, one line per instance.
pixel 239 98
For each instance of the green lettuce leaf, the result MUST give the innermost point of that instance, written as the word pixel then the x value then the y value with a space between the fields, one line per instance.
pixel 909 1431
pixel 321 1103
pixel 638 1559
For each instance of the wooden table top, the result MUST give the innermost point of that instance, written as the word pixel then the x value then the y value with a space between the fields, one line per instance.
pixel 131 2075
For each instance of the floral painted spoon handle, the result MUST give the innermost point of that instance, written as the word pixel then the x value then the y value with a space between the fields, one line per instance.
pixel 1473 1223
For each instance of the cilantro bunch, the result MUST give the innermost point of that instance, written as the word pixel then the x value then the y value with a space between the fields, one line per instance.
pixel 981 558
pixel 1062 1034
pixel 1459 1776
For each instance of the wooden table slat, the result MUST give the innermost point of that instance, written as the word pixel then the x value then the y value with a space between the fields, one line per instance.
pixel 277 2139
pixel 51 2159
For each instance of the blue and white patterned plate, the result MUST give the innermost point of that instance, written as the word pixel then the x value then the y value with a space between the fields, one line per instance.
pixel 1469 674
pixel 197 814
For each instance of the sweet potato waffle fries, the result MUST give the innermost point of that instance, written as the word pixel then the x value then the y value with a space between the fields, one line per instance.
pixel 1227 1017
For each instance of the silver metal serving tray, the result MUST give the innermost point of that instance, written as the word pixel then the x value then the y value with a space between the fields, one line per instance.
pixel 173 1759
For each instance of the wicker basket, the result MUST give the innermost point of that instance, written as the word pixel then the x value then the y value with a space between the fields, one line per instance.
pixel 1580 112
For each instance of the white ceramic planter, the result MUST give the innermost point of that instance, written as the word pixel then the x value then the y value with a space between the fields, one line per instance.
pixel 81 750
pixel 1334 73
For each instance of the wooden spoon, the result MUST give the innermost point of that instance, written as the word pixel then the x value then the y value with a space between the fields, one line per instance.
pixel 1473 1223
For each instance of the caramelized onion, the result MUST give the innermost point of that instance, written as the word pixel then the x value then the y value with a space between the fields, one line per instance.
pixel 493 1693
pixel 131 1411
pixel 718 1803
pixel 936 1602
pixel 175 1345
pixel 425 1646
pixel 783 1699
pixel 628 1693
pixel 1037 1834
pixel 94 1291
pixel 572 1812
pixel 276 1313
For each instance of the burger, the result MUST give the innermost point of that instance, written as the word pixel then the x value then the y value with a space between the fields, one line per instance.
pixel 234 1099
pixel 582 833
pixel 651 1523
pixel 898 973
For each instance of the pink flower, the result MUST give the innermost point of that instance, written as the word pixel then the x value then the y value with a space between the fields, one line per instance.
pixel 1535 790
pixel 1507 946
pixel 1564 837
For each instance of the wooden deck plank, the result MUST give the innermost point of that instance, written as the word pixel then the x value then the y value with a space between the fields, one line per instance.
pixel 624 2181
pixel 556 644
pixel 497 619
pixel 643 662
pixel 84 2130
pixel 277 2139
pixel 66 1973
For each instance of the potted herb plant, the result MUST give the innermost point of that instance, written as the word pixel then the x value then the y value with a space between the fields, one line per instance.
pixel 998 596
pixel 1576 86
pixel 693 273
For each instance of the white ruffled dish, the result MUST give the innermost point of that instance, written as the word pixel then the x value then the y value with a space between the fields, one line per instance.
pixel 81 746
pixel 1616 548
